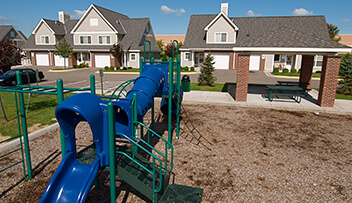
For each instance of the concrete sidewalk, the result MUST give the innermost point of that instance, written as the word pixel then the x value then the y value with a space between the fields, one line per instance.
pixel 259 99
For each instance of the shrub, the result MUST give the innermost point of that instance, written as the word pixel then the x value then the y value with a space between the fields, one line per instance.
pixel 75 66
pixel 124 68
pixel 112 68
pixel 345 85
pixel 276 70
pixel 285 70
pixel 117 68
pixel 129 67
pixel 293 70
pixel 106 68
pixel 299 70
pixel 318 71
pixel 206 72
pixel 82 65
pixel 192 68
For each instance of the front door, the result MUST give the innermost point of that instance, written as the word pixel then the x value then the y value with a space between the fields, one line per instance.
pixel 289 61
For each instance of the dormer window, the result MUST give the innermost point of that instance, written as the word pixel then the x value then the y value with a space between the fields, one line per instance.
pixel 220 37
pixel 93 22
pixel 44 39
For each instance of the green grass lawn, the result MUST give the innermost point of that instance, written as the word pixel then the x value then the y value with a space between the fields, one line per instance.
pixel 218 87
pixel 41 111
pixel 314 75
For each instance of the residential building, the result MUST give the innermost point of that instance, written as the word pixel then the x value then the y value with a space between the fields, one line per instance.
pixel 91 37
pixel 14 35
pixel 167 39
pixel 272 42
pixel 346 39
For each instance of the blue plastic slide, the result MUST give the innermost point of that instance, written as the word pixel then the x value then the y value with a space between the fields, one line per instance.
pixel 71 182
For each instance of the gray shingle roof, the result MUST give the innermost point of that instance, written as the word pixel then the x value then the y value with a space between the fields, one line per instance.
pixel 4 29
pixel 295 31
pixel 131 28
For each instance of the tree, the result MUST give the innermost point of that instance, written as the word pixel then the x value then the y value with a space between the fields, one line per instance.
pixel 64 50
pixel 206 72
pixel 10 55
pixel 168 49
pixel 160 44
pixel 345 85
pixel 117 51
pixel 333 32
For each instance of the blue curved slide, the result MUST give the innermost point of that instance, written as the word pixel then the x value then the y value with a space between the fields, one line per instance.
pixel 72 181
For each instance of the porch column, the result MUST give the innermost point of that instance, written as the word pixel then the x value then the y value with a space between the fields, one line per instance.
pixel 242 77
pixel 125 59
pixel 192 59
pixel 305 75
pixel 328 81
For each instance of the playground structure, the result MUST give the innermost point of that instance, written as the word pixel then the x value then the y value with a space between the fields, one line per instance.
pixel 115 121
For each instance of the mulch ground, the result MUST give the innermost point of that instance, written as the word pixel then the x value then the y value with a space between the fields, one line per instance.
pixel 235 154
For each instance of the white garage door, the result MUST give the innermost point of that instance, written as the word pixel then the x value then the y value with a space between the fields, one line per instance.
pixel 102 60
pixel 59 61
pixel 222 61
pixel 254 62
pixel 42 59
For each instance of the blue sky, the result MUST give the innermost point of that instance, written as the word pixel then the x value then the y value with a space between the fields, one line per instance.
pixel 171 16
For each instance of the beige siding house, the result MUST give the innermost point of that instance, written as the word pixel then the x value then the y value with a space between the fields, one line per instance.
pixel 271 42
pixel 91 37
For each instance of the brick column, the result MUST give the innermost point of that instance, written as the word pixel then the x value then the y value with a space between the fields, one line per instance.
pixel 232 57
pixel 328 81
pixel 92 59
pixel 113 60
pixel 33 59
pixel 306 69
pixel 242 77
pixel 72 60
pixel 51 59
pixel 262 62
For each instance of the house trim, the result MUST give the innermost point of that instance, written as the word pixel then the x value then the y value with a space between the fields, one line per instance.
pixel 85 15
pixel 226 18
pixel 39 24
pixel 292 49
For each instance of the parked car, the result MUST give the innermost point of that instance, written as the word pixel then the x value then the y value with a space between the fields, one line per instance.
pixel 9 78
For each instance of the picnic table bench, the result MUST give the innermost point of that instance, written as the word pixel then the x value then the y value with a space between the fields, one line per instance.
pixel 294 92
pixel 303 85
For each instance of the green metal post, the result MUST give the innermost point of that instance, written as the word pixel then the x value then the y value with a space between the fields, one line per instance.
pixel 171 81
pixel 60 98
pixel 112 153
pixel 20 135
pixel 92 84
pixel 178 79
pixel 24 128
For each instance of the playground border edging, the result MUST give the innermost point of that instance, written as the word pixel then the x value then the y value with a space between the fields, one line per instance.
pixel 31 136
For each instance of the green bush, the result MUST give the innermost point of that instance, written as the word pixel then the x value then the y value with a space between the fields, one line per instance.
pixel 299 70
pixel 318 71
pixel 106 68
pixel 276 70
pixel 293 70
pixel 192 68
pixel 124 68
pixel 75 66
pixel 129 67
pixel 117 68
pixel 285 70
pixel 112 68
pixel 185 68
pixel 82 65
pixel 345 85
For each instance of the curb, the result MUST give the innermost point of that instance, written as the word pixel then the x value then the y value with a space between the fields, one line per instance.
pixel 31 136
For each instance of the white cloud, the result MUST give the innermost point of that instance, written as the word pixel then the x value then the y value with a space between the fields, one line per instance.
pixel 301 12
pixel 77 14
pixel 346 20
pixel 251 13
pixel 4 20
pixel 168 10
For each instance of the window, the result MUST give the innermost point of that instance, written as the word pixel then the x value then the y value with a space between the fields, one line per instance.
pixel 188 56
pixel 104 39
pixel 12 34
pixel 277 58
pixel 93 22
pixel 221 37
pixel 85 39
pixel 318 60
pixel 132 57
pixel 44 39
pixel 201 58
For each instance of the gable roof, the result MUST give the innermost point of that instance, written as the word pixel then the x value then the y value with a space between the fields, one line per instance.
pixel 291 31
pixel 221 14
pixel 5 29
pixel 112 18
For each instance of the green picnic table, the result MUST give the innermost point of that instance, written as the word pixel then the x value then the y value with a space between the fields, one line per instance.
pixel 294 92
